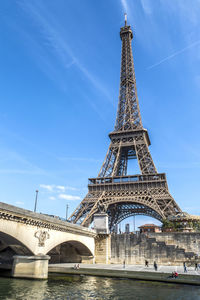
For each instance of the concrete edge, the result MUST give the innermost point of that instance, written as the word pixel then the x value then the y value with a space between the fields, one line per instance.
pixel 145 276
pixel 32 257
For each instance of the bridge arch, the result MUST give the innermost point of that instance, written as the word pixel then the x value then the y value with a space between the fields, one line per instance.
pixel 83 245
pixel 16 233
pixel 70 251
pixel 10 246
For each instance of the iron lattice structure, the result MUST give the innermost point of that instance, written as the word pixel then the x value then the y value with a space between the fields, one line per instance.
pixel 113 191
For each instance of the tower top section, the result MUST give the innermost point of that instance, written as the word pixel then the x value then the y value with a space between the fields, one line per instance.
pixel 128 114
pixel 126 30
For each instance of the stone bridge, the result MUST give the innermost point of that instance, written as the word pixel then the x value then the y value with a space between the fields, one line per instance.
pixel 35 238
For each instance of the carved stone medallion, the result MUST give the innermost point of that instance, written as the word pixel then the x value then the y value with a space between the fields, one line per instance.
pixel 42 236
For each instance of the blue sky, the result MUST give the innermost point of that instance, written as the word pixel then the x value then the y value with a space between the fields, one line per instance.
pixel 59 86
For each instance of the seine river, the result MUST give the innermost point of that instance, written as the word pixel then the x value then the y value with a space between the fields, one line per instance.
pixel 85 287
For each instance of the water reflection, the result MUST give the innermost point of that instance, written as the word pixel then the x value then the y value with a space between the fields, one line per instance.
pixel 98 288
pixel 22 289
pixel 84 287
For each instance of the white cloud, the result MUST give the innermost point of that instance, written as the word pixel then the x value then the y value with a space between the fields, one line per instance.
pixel 64 188
pixel 69 197
pixel 57 188
pixel 47 187
pixel 52 198
pixel 71 188
pixel 60 187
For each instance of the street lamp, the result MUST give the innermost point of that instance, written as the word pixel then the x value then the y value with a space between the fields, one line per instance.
pixel 67 207
pixel 36 196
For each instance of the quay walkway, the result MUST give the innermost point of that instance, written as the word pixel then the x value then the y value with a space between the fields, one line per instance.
pixel 137 272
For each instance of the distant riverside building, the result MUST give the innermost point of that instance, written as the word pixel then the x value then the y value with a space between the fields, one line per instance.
pixel 127 228
pixel 116 228
pixel 149 228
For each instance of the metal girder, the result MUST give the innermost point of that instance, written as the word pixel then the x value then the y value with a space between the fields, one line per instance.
pixel 118 213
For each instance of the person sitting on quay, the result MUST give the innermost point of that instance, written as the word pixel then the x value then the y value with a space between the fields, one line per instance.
pixel 174 274
pixel 76 267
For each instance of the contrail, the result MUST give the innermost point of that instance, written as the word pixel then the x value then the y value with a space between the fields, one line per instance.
pixel 174 54
pixel 125 6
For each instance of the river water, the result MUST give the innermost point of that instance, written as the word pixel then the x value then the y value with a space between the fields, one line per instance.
pixel 86 287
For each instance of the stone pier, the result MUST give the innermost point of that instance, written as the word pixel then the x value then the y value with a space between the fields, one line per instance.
pixel 35 267
pixel 102 249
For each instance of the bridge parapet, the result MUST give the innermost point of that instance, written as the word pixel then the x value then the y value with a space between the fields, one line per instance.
pixel 27 217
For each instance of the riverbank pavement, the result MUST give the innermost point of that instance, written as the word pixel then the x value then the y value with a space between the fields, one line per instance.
pixel 139 272
pixel 136 268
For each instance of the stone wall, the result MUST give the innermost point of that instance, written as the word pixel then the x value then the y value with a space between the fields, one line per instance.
pixel 164 248
pixel 190 241
pixel 102 249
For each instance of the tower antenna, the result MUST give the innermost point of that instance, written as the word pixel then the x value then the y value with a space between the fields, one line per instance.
pixel 125 16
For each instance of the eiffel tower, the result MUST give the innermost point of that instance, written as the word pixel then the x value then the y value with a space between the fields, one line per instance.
pixel 113 191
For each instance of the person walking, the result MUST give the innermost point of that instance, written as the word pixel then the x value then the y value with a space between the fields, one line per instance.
pixel 124 264
pixel 196 267
pixel 155 266
pixel 146 263
pixel 185 267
